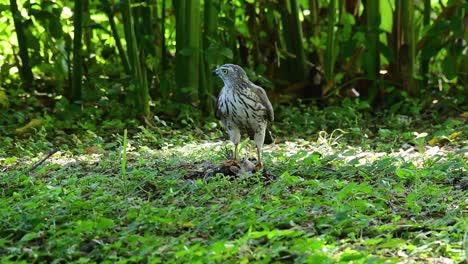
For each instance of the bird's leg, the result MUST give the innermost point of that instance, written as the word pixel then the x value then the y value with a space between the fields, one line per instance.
pixel 234 161
pixel 234 136
pixel 259 164
pixel 259 138
pixel 235 153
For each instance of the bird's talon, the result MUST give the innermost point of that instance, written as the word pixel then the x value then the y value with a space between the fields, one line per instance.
pixel 258 167
pixel 229 163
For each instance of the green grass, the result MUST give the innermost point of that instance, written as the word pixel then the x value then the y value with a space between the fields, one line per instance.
pixel 346 188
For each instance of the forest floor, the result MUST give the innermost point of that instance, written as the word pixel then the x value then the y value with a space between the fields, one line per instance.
pixel 339 185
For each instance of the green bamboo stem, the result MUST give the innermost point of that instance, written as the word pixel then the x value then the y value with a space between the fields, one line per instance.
pixel 25 68
pixel 115 34
pixel 315 17
pixel 188 40
pixel 87 31
pixel 463 78
pixel 77 50
pixel 210 10
pixel 232 34
pixel 163 36
pixel 193 43
pixel 330 55
pixel 409 47
pixel 295 67
pixel 372 54
pixel 138 72
pixel 181 61
pixel 425 61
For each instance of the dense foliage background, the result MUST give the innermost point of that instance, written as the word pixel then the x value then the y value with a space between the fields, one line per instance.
pixel 130 58
pixel 108 140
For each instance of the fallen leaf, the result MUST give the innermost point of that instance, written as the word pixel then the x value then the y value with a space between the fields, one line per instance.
pixel 433 141
pixel 93 150
pixel 454 135
pixel 187 224
pixel 34 123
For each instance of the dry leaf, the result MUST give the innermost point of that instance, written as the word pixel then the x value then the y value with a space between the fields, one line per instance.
pixel 35 123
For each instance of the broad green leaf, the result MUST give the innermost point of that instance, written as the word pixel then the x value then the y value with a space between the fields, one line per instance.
pixel 10 160
pixel 226 53
pixel 404 173
pixel 350 255
pixel 4 8
pixel 104 223
pixel 386 15
pixel 393 243
pixel 449 67
pixel 187 51
pixel 28 237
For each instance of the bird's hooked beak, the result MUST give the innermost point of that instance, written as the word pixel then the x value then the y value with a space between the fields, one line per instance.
pixel 216 72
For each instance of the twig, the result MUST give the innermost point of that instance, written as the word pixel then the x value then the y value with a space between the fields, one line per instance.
pixel 41 161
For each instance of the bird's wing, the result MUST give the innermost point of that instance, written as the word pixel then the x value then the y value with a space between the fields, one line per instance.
pixel 217 112
pixel 217 109
pixel 264 101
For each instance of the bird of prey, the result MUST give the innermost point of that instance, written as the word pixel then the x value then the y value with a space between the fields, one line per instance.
pixel 243 106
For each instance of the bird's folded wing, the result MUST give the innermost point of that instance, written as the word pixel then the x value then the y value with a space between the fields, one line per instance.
pixel 264 101
pixel 217 109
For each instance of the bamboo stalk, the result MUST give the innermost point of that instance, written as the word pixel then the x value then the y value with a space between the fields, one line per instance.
pixel 330 56
pixel 193 43
pixel 77 49
pixel 25 68
pixel 315 17
pixel 425 61
pixel 206 92
pixel 163 37
pixel 138 72
pixel 316 30
pixel 409 47
pixel 295 65
pixel 372 55
pixel 463 75
pixel 115 34
pixel 181 61
pixel 188 40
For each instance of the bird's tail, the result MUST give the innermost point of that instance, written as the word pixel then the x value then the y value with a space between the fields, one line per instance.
pixel 268 137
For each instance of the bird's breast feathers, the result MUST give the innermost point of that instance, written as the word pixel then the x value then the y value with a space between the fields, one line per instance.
pixel 241 107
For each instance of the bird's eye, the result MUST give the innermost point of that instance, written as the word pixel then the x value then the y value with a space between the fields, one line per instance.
pixel 224 71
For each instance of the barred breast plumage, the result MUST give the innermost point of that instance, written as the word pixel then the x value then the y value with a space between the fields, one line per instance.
pixel 243 106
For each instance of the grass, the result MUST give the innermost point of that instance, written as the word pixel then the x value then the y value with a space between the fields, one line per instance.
pixel 346 188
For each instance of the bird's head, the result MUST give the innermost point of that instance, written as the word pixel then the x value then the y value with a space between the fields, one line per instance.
pixel 231 73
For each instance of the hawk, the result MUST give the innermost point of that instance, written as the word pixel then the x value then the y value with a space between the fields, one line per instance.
pixel 243 106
